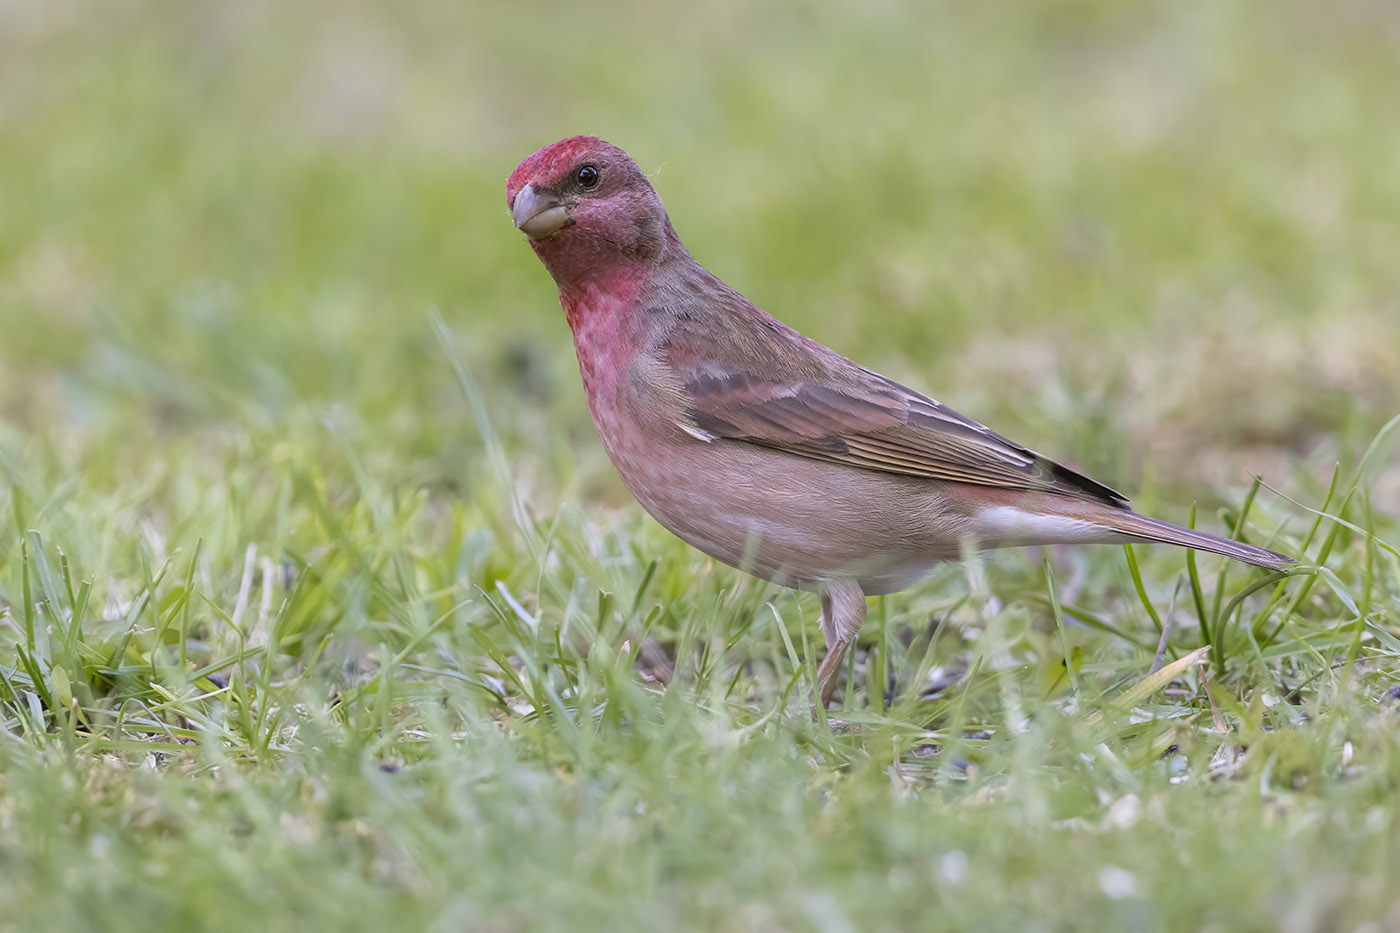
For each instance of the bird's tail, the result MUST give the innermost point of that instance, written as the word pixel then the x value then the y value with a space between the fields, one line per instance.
pixel 1141 528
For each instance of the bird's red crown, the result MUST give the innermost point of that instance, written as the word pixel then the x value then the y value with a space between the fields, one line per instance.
pixel 548 164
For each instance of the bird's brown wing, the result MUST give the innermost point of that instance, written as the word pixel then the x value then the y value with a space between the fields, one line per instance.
pixel 806 400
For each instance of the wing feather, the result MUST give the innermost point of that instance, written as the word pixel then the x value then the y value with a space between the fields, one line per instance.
pixel 849 415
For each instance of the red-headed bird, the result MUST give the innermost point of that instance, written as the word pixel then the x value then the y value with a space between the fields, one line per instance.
pixel 767 450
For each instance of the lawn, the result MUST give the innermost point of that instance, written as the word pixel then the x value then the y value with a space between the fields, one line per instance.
pixel 321 607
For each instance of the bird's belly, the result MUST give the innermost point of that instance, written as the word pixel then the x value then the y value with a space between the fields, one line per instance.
pixel 785 518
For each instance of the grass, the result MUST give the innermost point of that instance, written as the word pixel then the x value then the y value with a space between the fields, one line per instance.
pixel 321 606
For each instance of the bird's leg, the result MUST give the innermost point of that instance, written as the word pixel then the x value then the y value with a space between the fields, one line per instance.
pixel 843 609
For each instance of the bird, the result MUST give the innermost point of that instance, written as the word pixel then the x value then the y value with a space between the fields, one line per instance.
pixel 765 449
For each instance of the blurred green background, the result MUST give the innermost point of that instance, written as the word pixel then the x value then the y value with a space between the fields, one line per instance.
pixel 1157 241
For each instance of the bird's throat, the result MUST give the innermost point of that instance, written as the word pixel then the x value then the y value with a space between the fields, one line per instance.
pixel 602 313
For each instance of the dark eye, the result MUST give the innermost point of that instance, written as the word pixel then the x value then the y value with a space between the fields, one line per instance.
pixel 587 175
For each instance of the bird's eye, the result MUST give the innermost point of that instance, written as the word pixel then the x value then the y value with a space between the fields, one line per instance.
pixel 587 176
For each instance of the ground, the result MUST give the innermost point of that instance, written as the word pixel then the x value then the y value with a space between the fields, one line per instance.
pixel 321 608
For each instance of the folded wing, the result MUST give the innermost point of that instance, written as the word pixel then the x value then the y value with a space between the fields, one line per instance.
pixel 809 402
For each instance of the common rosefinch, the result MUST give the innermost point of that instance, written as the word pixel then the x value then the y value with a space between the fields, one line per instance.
pixel 767 450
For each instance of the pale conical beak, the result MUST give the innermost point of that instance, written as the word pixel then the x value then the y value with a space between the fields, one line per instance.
pixel 538 213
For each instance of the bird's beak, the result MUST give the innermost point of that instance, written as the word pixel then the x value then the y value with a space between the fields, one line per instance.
pixel 539 213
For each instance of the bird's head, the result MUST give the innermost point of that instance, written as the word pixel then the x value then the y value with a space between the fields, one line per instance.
pixel 587 209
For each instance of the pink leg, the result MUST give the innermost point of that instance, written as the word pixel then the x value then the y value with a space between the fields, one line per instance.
pixel 843 610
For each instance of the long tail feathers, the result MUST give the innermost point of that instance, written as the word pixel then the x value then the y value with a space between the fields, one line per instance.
pixel 1151 529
